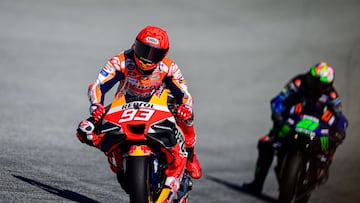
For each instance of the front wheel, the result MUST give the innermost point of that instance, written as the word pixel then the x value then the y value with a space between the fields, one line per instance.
pixel 137 178
pixel 291 181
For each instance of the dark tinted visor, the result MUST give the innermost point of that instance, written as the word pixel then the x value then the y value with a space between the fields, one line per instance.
pixel 149 54
pixel 316 85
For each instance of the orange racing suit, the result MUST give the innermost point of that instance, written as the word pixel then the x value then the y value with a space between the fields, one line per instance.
pixel 134 84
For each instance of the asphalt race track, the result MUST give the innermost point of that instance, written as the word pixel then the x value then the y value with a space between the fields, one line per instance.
pixel 235 54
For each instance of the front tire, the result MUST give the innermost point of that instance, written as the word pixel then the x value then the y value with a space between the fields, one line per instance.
pixel 137 178
pixel 290 179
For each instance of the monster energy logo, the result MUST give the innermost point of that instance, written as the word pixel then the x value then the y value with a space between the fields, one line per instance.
pixel 324 140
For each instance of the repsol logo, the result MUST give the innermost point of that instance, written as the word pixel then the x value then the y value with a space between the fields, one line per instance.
pixel 137 105
pixel 180 139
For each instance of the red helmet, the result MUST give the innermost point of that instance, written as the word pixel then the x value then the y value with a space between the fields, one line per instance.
pixel 150 47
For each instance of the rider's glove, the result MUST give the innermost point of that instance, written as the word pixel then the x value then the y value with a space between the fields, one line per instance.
pixel 85 131
pixel 97 111
pixel 339 136
pixel 184 112
pixel 277 117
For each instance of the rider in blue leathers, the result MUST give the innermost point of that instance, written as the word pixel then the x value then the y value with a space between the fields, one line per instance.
pixel 316 83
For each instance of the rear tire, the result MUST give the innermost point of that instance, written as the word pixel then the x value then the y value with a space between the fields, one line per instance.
pixel 137 178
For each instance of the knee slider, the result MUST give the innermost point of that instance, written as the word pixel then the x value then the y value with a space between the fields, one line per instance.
pixel 264 143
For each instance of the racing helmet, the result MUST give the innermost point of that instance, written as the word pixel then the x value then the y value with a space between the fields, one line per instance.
pixel 320 78
pixel 150 47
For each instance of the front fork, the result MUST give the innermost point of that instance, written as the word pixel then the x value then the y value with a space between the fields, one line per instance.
pixel 155 174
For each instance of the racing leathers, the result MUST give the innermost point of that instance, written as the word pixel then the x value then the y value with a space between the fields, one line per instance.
pixel 137 84
pixel 294 91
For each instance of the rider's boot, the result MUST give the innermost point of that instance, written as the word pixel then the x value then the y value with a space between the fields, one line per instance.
pixel 266 154
pixel 257 184
pixel 193 164
pixel 323 171
pixel 323 175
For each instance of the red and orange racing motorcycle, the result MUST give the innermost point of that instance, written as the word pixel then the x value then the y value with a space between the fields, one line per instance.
pixel 141 132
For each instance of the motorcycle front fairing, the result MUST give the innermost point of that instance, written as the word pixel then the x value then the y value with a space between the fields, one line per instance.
pixel 142 128
pixel 140 121
pixel 306 133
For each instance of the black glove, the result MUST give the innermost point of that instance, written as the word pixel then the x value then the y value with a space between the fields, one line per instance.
pixel 277 118
pixel 339 137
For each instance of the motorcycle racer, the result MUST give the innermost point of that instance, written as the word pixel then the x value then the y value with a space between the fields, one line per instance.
pixel 316 84
pixel 141 70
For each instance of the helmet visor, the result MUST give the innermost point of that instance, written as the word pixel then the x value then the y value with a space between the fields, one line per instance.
pixel 316 85
pixel 149 54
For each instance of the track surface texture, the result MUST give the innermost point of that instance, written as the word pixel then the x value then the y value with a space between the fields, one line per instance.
pixel 235 54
